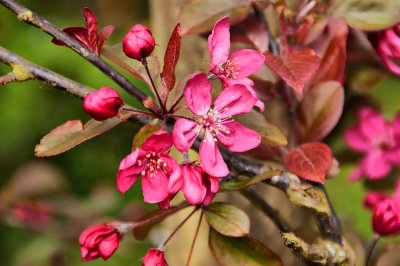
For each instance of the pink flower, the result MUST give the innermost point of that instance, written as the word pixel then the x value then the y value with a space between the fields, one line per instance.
pixel 386 218
pixel 153 162
pixel 197 186
pixel 103 103
pixel 379 140
pixel 154 257
pixel 217 122
pixel 99 241
pixel 373 198
pixel 236 68
pixel 387 45
pixel 138 43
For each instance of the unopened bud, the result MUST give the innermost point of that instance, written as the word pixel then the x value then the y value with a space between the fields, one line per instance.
pixel 138 43
pixel 103 103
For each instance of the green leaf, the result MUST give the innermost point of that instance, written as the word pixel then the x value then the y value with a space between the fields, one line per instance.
pixel 239 184
pixel 227 219
pixel 134 67
pixel 198 16
pixel 240 251
pixel 270 134
pixel 368 14
pixel 72 133
pixel 143 134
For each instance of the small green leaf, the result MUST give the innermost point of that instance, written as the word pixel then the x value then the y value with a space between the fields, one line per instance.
pixel 72 133
pixel 270 134
pixel 227 219
pixel 368 14
pixel 143 134
pixel 239 184
pixel 240 251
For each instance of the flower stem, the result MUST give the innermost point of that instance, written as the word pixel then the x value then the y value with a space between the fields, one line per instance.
pixel 194 239
pixel 171 110
pixel 371 249
pixel 177 228
pixel 144 62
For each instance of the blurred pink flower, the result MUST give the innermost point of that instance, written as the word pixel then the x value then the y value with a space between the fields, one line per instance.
pixel 155 165
pixel 154 257
pixel 236 68
pixel 197 186
pixel 217 121
pixel 379 140
pixel 386 218
pixel 99 241
pixel 387 45
pixel 103 103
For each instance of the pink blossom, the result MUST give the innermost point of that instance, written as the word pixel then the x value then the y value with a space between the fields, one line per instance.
pixel 374 197
pixel 379 140
pixel 103 103
pixel 99 241
pixel 138 43
pixel 217 121
pixel 387 45
pixel 154 257
pixel 197 186
pixel 236 68
pixel 153 162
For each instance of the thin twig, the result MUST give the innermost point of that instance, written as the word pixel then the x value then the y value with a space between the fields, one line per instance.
pixel 154 88
pixel 30 17
pixel 194 240
pixel 371 249
pixel 267 209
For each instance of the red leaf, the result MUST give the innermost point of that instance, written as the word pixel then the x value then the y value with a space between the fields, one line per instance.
pixel 251 31
pixel 310 161
pixel 104 35
pixel 319 111
pixel 91 27
pixel 295 69
pixel 78 33
pixel 333 60
pixel 171 58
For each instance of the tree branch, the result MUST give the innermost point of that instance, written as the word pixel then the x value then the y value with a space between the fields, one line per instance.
pixel 32 18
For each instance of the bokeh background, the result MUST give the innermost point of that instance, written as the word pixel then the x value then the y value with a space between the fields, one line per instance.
pixel 77 188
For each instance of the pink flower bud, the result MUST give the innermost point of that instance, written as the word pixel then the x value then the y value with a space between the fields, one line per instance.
pixel 99 241
pixel 103 103
pixel 373 198
pixel 386 218
pixel 154 257
pixel 138 43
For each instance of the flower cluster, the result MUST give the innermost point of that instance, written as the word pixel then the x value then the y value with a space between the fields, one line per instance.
pixel 386 212
pixel 379 140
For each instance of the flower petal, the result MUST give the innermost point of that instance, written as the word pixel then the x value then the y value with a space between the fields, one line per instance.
pixel 155 188
pixel 108 246
pixel 184 134
pixel 211 159
pixel 240 138
pixel 375 166
pixel 197 93
pixel 128 171
pixel 250 61
pixel 372 124
pixel 193 187
pixel 234 100
pixel 158 142
pixel 219 42
pixel 356 140
pixel 249 86
pixel 175 182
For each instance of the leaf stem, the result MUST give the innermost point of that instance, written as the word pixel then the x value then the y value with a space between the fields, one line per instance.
pixel 371 249
pixel 194 239
pixel 177 228
pixel 154 89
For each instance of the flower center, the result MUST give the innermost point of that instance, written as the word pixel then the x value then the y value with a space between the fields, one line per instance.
pixel 152 162
pixel 213 122
pixel 230 68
